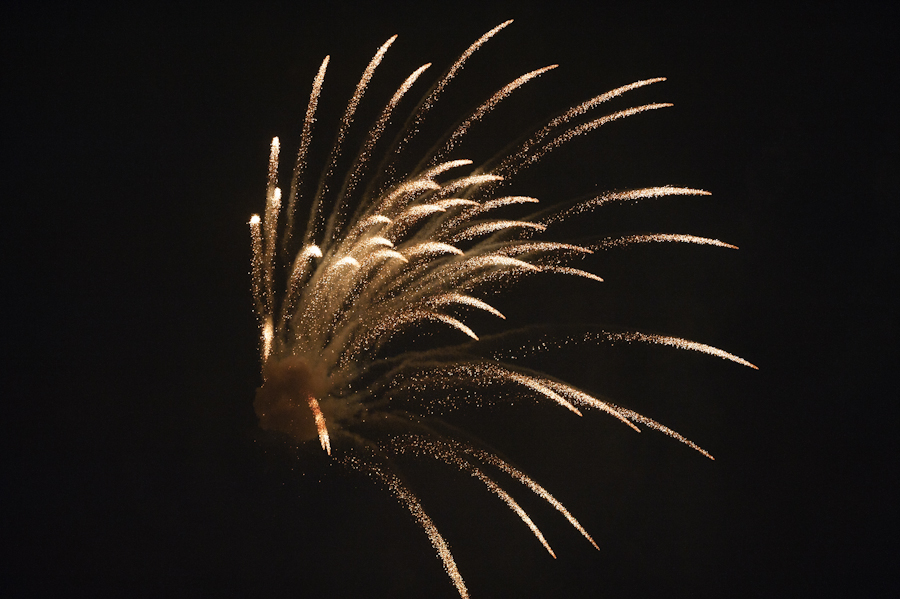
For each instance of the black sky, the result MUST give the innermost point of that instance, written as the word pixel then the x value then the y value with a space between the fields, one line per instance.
pixel 135 148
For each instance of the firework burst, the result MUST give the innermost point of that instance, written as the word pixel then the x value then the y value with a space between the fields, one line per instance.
pixel 388 253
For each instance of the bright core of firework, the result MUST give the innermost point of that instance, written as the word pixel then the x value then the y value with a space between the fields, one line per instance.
pixel 385 253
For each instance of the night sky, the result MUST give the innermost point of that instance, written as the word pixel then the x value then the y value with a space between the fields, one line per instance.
pixel 135 143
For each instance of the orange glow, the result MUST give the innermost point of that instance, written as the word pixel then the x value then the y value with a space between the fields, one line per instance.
pixel 320 424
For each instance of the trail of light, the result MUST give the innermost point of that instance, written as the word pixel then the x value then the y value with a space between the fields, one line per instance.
pixel 582 108
pixel 377 240
pixel 572 271
pixel 412 125
pixel 514 162
pixel 582 398
pixel 663 429
pixel 509 200
pixel 334 220
pixel 346 121
pixel 382 121
pixel 595 124
pixel 270 223
pixel 347 260
pixel 444 167
pixel 661 237
pixel 470 181
pixel 532 383
pixel 274 150
pixel 542 246
pixel 455 202
pixel 488 106
pixel 299 272
pixel 458 298
pixel 484 373
pixel 526 158
pixel 680 344
pixel 256 267
pixel 448 451
pixel 514 507
pixel 419 211
pixel 431 247
pixel 411 216
pixel 300 164
pixel 393 322
pixel 377 219
pixel 442 452
pixel 536 488
pixel 384 254
pixel 498 260
pixel 488 206
pixel 493 226
pixel 412 503
pixel 268 334
pixel 361 87
pixel 320 424
pixel 451 73
pixel 404 192
pixel 456 324
pixel 270 227
pixel 621 196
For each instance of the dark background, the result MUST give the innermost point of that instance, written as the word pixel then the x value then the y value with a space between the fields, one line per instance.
pixel 135 142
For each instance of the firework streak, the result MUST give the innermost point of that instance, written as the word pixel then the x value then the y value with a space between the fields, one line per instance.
pixel 390 254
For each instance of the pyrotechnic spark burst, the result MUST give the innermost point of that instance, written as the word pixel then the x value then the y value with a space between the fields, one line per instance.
pixel 385 257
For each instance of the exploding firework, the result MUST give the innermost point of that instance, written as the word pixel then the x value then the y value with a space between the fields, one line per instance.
pixel 387 254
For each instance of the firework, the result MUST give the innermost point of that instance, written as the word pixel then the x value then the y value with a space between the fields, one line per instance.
pixel 396 253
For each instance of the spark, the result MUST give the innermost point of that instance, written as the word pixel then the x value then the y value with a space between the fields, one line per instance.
pixel 389 254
